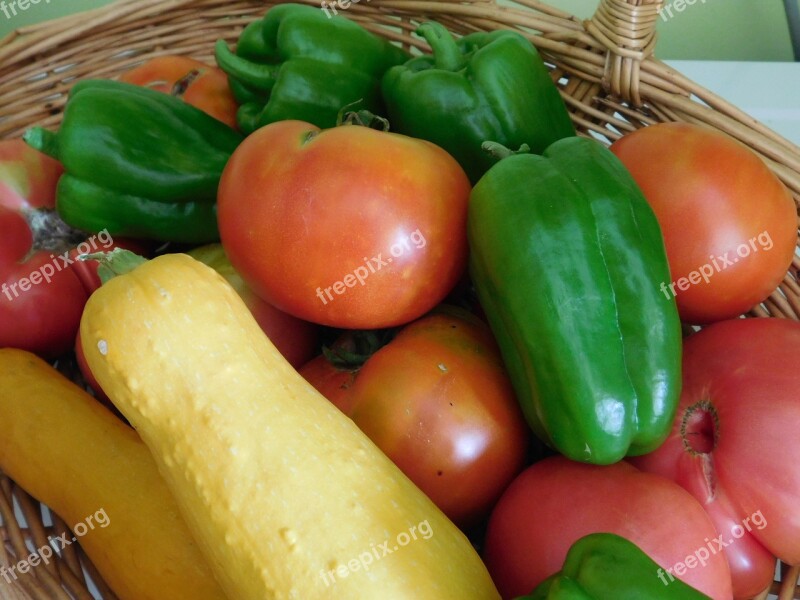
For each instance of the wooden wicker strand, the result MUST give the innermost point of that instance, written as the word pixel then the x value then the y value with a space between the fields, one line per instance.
pixel 605 67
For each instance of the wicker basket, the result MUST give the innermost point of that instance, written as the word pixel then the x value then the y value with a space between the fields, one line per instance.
pixel 606 72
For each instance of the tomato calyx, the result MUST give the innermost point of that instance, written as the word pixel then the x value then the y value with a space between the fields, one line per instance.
pixel 362 118
pixel 352 349
pixel 50 232
pixel 700 428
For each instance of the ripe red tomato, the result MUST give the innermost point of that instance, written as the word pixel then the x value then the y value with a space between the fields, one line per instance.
pixel 333 383
pixel 438 402
pixel 196 83
pixel 729 224
pixel 28 177
pixel 731 442
pixel 348 227
pixel 556 502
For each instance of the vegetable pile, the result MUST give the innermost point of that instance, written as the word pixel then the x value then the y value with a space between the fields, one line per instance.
pixel 331 355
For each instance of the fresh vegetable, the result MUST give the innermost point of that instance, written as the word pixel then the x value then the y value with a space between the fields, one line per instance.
pixel 71 453
pixel 485 86
pixel 41 298
pixel 556 502
pixel 194 82
pixel 138 163
pixel 286 497
pixel 438 402
pixel 27 178
pixel 332 382
pixel 730 225
pixel 367 229
pixel 566 257
pixel 604 566
pixel 731 447
pixel 298 63
pixel 295 339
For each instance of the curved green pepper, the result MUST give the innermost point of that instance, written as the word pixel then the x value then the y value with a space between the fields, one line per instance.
pixel 604 566
pixel 485 86
pixel 566 257
pixel 297 63
pixel 137 162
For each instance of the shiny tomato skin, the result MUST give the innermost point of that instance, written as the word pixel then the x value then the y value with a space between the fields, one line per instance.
pixel 28 177
pixel 201 85
pixel 348 227
pixel 555 502
pixel 713 198
pixel 438 402
pixel 335 384
pixel 741 405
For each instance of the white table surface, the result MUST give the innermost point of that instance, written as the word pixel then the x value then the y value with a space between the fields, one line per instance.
pixel 768 91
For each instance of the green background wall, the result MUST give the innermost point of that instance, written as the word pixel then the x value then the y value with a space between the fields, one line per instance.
pixel 709 29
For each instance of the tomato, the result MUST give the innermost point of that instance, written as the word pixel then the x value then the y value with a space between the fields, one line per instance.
pixel 27 177
pixel 438 402
pixel 556 502
pixel 729 224
pixel 196 83
pixel 295 339
pixel 333 383
pixel 348 227
pixel 731 446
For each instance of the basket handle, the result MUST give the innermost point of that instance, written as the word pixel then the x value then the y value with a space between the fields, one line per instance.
pixel 627 29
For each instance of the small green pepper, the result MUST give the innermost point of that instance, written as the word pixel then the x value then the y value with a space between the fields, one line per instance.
pixel 137 162
pixel 604 566
pixel 297 63
pixel 485 86
pixel 567 256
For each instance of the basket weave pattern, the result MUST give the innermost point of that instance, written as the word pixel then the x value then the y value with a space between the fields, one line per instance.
pixel 605 68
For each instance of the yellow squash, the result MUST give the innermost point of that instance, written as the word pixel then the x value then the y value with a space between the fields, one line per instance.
pixel 286 496
pixel 70 452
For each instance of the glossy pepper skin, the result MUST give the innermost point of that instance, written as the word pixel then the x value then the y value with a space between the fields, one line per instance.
pixel 482 87
pixel 138 163
pixel 298 63
pixel 566 257
pixel 604 566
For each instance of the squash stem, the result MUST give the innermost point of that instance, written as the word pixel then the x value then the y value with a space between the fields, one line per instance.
pixel 114 263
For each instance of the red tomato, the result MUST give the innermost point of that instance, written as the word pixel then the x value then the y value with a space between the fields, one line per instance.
pixel 556 502
pixel 295 339
pixel 729 224
pixel 731 442
pixel 348 227
pixel 437 400
pixel 335 384
pixel 196 83
pixel 27 177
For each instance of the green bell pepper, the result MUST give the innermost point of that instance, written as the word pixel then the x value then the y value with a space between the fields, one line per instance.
pixel 137 162
pixel 297 63
pixel 566 257
pixel 604 566
pixel 485 86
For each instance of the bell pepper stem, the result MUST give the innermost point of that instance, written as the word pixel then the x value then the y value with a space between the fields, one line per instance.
pixel 114 263
pixel 258 76
pixel 446 53
pixel 500 152
pixel 43 140
pixel 363 118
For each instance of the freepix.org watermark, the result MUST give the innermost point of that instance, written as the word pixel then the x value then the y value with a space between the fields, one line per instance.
pixel 47 271
pixel 372 265
pixel 702 554
pixel 422 531
pixel 10 7
pixel 668 10
pixel 762 241
pixel 56 543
